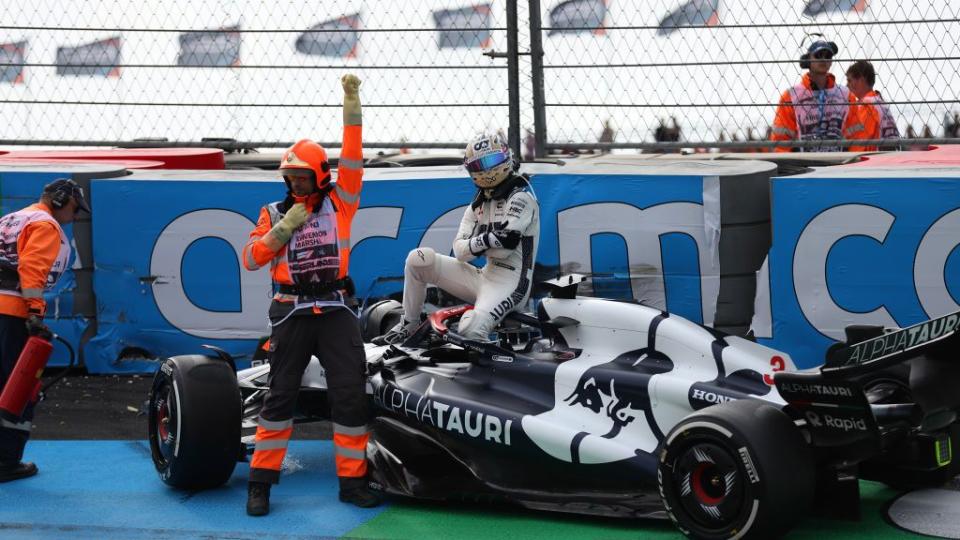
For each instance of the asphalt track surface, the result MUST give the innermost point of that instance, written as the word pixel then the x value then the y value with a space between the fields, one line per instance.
pixel 97 481
pixel 106 407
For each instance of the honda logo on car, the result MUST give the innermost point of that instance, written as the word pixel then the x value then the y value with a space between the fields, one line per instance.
pixel 464 421
pixel 817 389
pixel 843 424
pixel 697 394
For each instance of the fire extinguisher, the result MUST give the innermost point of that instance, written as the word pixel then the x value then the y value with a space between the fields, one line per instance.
pixel 23 385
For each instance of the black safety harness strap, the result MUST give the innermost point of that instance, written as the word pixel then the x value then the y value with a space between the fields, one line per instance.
pixel 318 289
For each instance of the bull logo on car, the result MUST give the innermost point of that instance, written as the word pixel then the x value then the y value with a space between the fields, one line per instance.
pixel 603 399
pixel 605 414
pixel 607 410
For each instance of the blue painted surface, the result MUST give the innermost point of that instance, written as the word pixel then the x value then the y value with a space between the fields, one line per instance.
pixel 19 190
pixel 109 489
pixel 227 305
pixel 864 273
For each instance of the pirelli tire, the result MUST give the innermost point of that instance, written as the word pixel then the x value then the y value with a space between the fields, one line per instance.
pixel 194 422
pixel 736 470
pixel 378 318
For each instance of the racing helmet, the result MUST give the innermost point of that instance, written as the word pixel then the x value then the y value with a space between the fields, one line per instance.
pixel 488 159
pixel 306 158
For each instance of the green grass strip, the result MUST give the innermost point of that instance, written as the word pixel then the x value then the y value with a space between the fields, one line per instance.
pixel 419 520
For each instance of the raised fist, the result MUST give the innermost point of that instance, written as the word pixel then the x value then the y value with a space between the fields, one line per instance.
pixel 351 84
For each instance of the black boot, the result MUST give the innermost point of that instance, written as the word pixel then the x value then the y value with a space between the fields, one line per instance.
pixel 258 498
pixel 355 491
pixel 16 471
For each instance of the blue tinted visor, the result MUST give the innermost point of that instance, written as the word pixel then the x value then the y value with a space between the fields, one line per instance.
pixel 487 162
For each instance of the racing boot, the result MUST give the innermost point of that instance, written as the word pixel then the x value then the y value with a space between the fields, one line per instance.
pixel 258 498
pixel 15 471
pixel 398 334
pixel 355 491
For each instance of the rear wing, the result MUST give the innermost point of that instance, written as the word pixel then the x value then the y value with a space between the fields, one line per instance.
pixel 896 346
pixel 836 411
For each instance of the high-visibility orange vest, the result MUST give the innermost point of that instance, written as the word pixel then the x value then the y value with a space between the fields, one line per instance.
pixel 322 244
pixel 34 253
pixel 807 114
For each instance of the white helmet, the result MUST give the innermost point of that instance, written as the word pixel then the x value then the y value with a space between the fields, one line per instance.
pixel 488 159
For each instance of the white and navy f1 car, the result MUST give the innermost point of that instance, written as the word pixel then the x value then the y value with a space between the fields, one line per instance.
pixel 605 407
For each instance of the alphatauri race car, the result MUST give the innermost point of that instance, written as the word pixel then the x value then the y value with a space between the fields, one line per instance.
pixel 606 407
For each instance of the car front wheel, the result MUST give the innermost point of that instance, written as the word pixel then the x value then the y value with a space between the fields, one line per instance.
pixel 194 422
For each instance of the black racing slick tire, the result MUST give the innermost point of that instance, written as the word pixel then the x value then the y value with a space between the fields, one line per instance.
pixel 194 422
pixel 736 470
pixel 378 318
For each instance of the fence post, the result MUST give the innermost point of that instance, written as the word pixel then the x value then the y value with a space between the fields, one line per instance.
pixel 536 59
pixel 513 78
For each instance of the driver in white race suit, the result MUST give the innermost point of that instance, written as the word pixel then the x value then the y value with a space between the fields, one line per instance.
pixel 503 225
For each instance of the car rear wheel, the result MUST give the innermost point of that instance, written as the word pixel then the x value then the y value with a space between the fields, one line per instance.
pixel 737 470
pixel 194 422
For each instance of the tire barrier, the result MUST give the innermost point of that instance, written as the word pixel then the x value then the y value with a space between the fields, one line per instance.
pixel 744 241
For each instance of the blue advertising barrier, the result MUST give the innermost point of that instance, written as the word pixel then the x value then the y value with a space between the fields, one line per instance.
pixel 70 306
pixel 167 247
pixel 858 245
pixel 850 246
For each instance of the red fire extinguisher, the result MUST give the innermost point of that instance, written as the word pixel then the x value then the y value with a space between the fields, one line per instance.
pixel 23 386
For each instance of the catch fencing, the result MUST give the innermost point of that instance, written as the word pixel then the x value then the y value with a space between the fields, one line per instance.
pixel 560 76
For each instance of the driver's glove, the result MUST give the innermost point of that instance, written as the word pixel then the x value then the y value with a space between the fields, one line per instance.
pixel 504 239
pixel 479 244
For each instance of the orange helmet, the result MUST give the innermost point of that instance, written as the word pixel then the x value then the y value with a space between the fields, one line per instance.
pixel 306 157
